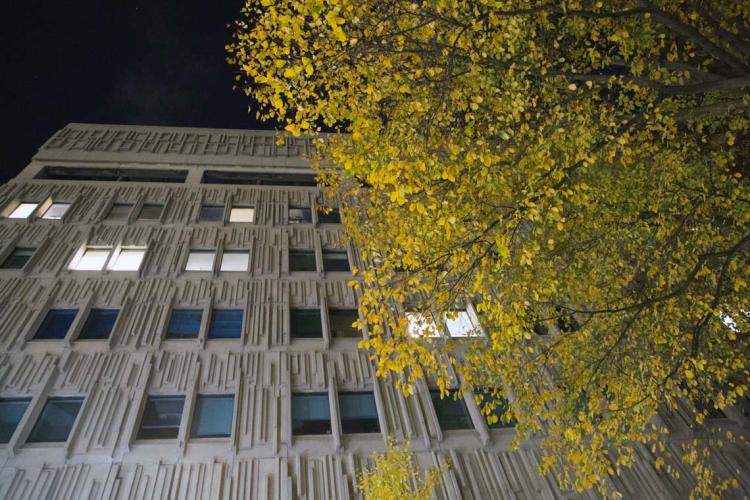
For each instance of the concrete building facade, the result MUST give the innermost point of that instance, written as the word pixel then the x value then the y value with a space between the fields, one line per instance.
pixel 175 323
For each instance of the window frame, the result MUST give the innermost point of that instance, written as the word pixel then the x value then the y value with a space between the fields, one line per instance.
pixel 31 208
pixel 195 416
pixel 117 254
pixel 222 310
pixel 81 256
pixel 450 400
pixel 298 252
pixel 180 310
pixel 31 438
pixel 307 217
pixel 292 311
pixel 86 323
pixel 54 204
pixel 205 206
pixel 301 395
pixel 150 206
pixel 13 431
pixel 342 418
pixel 129 213
pixel 201 251
pixel 139 435
pixel 338 252
pixel 236 214
pixel 12 255
pixel 235 251
pixel 71 314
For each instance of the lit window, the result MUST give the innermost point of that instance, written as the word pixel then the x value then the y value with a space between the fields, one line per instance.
pixel 11 412
pixel 225 324
pixel 300 215
pixel 419 325
pixel 332 217
pixel 462 325
pixel 161 417
pixel 302 260
pixel 119 211
pixel 358 412
pixel 150 212
pixel 212 213
pixel 184 324
pixel 56 211
pixel 242 214
pixel 18 258
pixel 23 211
pixel 213 416
pixel 311 414
pixel 99 324
pixel 129 259
pixel 200 260
pixel 452 414
pixel 305 323
pixel 341 321
pixel 335 261
pixel 93 259
pixel 56 324
pixel 235 260
pixel 56 420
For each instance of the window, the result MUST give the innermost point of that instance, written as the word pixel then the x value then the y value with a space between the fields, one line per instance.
pixel 99 324
pixel 311 414
pixel 451 413
pixel 56 211
pixel 161 417
pixel 300 215
pixel 56 324
pixel 341 321
pixel 242 214
pixel 225 324
pixel 23 210
pixel 150 212
pixel 213 416
pixel 212 213
pixel 129 259
pixel 93 259
pixel 305 323
pixel 420 325
pixel 201 260
pixel 302 260
pixel 500 410
pixel 56 420
pixel 332 217
pixel 235 260
pixel 335 261
pixel 111 174
pixel 119 211
pixel 462 325
pixel 358 412
pixel 11 412
pixel 18 258
pixel 184 324
pixel 257 178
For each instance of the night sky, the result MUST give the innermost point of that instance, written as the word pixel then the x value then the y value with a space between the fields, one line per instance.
pixel 147 62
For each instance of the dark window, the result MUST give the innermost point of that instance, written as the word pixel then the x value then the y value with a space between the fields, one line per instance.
pixel 11 412
pixel 341 321
pixel 451 413
pixel 305 323
pixel 302 260
pixel 150 212
pixel 300 215
pixel 111 174
pixel 161 417
pixel 18 258
pixel 212 213
pixel 213 416
pixel 358 412
pixel 119 211
pixel 500 410
pixel 225 324
pixel 332 217
pixel 335 261
pixel 184 324
pixel 99 324
pixel 311 414
pixel 56 420
pixel 257 178
pixel 56 324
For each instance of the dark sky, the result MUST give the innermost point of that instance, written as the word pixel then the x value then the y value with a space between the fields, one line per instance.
pixel 148 62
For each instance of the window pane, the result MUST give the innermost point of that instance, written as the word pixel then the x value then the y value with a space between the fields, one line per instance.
pixel 119 211
pixel 93 259
pixel 499 411
pixel 332 217
pixel 56 211
pixel 462 325
pixel 235 260
pixel 451 413
pixel 213 416
pixel 257 178
pixel 358 412
pixel 300 215
pixel 99 324
pixel 420 325
pixel 305 323
pixel 184 323
pixel 341 321
pixel 23 210
pixel 129 259
pixel 225 324
pixel 311 414
pixel 18 258
pixel 56 324
pixel 111 174
pixel 302 260
pixel 11 412
pixel 211 213
pixel 150 212
pixel 200 260
pixel 242 214
pixel 335 261
pixel 56 420
pixel 161 417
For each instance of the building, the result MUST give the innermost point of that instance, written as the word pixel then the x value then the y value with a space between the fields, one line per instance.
pixel 176 323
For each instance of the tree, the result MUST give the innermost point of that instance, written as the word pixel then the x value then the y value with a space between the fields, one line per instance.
pixel 575 166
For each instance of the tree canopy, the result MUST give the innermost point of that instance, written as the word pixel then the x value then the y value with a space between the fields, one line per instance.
pixel 576 170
